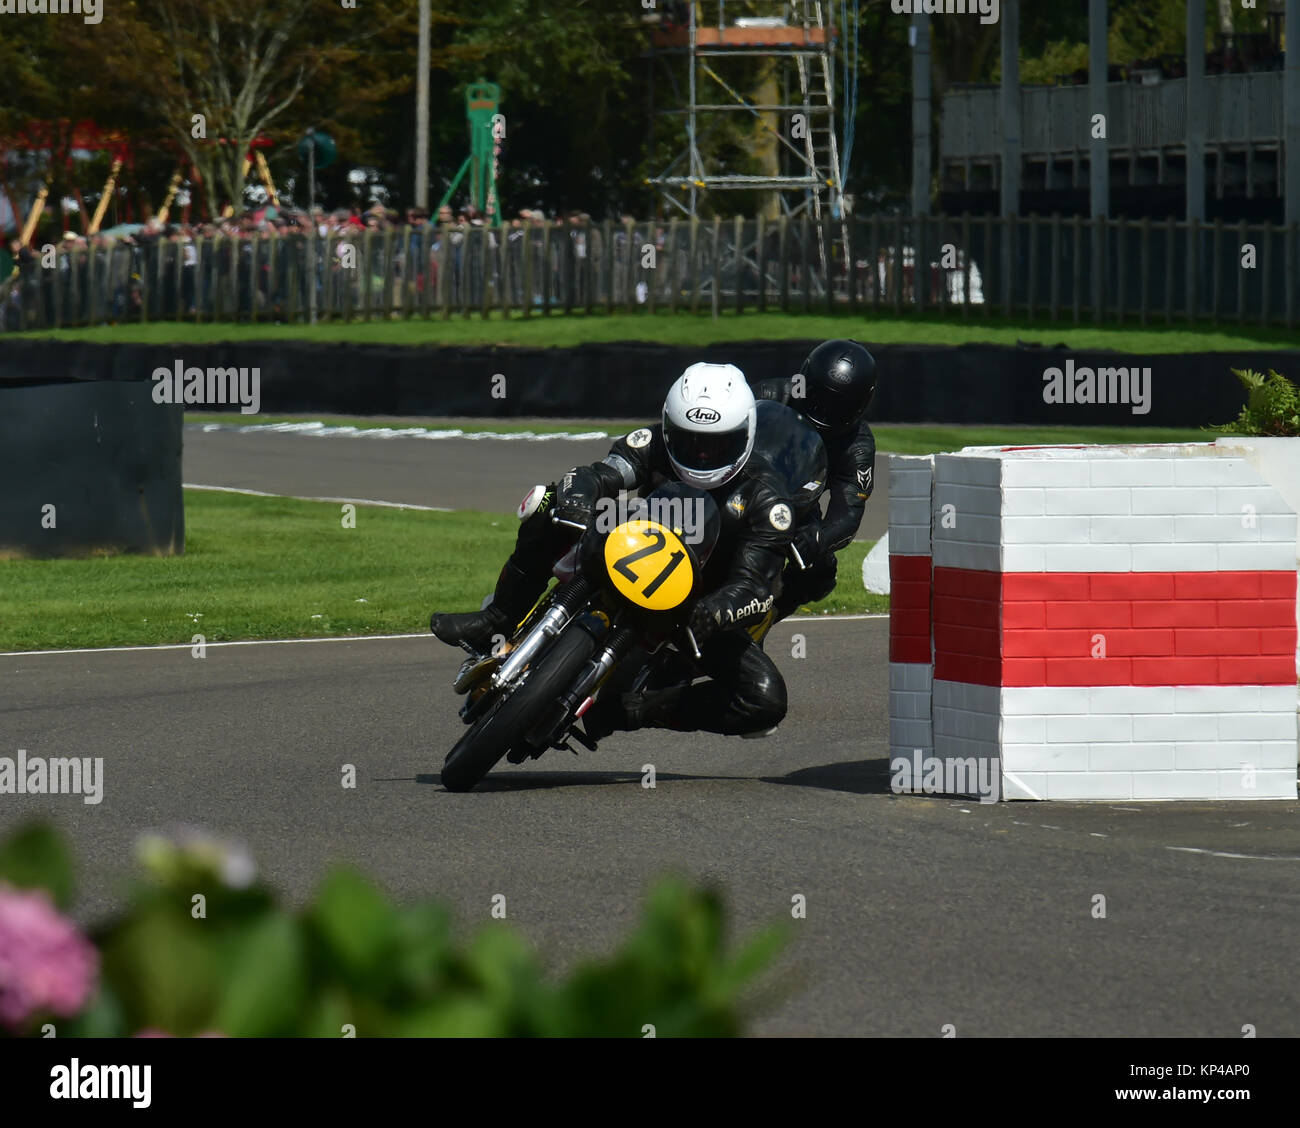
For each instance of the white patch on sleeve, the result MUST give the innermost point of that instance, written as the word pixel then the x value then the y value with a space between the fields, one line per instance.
pixel 780 516
pixel 624 468
pixel 638 439
pixel 532 499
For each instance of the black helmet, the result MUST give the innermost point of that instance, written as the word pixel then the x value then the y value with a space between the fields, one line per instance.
pixel 839 381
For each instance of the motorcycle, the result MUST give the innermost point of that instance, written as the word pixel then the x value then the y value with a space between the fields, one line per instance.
pixel 624 592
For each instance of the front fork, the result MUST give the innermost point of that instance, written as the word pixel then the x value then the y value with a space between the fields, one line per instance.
pixel 618 643
pixel 564 605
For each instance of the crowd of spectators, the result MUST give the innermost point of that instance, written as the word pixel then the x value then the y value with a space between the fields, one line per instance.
pixel 225 267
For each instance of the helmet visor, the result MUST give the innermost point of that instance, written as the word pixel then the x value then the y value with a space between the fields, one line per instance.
pixel 705 450
pixel 832 412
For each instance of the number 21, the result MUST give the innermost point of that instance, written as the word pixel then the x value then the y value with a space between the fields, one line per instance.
pixel 624 565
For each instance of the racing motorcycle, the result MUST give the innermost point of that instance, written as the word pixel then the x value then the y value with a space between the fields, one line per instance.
pixel 617 616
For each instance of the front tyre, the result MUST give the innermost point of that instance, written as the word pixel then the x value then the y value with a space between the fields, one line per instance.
pixel 512 718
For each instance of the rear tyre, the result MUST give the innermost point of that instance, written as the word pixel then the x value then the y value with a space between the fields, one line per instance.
pixel 510 720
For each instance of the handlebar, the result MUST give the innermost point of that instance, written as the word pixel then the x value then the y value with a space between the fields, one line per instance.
pixel 556 519
pixel 794 555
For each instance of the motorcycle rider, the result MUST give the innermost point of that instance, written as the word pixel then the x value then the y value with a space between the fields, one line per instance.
pixel 832 392
pixel 705 439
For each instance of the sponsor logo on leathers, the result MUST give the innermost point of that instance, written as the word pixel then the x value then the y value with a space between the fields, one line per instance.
pixel 755 606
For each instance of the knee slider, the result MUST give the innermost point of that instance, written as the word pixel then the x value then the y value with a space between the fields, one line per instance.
pixel 763 700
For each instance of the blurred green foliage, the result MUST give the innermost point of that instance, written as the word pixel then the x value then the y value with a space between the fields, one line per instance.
pixel 200 950
pixel 1272 405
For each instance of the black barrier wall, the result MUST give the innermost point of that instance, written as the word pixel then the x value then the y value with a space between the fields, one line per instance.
pixel 88 465
pixel 917 384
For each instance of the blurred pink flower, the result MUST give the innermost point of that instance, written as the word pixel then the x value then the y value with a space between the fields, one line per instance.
pixel 46 965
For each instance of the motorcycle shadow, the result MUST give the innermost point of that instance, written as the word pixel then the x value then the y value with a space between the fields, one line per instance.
pixel 537 781
pixel 860 777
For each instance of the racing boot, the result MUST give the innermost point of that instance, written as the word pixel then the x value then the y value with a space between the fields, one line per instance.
pixel 516 592
pixel 653 709
pixel 628 712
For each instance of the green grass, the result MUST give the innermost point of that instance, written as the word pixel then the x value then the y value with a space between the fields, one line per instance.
pixel 896 438
pixel 260 568
pixel 702 329
pixel 849 596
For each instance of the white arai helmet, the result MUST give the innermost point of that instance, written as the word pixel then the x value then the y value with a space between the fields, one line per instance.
pixel 709 423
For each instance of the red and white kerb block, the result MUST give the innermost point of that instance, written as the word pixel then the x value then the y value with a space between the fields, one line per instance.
pixel 1095 622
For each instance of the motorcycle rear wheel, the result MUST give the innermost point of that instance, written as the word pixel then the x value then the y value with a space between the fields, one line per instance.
pixel 509 720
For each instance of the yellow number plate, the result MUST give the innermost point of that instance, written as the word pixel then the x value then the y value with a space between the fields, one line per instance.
pixel 649 565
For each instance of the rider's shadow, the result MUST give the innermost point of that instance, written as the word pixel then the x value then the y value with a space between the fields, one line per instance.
pixel 857 777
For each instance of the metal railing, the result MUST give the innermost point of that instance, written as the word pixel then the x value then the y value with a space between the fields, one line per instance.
pixel 1049 268
pixel 1056 120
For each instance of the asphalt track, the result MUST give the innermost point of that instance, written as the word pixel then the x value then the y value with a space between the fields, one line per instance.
pixel 920 912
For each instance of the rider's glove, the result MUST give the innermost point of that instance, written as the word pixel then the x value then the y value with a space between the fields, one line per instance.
pixel 575 497
pixel 807 542
pixel 707 618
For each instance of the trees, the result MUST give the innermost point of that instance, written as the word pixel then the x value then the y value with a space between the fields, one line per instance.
pixel 201 79
pixel 573 98
pixel 58 73
pixel 231 72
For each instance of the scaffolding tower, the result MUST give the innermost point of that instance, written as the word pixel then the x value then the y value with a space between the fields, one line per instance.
pixel 792 43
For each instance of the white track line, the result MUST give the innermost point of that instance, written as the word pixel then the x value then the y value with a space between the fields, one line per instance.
pixel 212 645
pixel 327 431
pixel 328 638
pixel 1222 854
pixel 339 500
pixel 834 618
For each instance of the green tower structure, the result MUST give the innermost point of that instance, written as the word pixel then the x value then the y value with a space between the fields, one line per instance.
pixel 486 130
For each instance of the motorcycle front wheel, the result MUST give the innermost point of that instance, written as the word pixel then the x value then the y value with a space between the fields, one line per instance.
pixel 509 720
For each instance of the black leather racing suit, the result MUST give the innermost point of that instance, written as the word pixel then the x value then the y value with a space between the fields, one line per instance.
pixel 746 692
pixel 851 459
